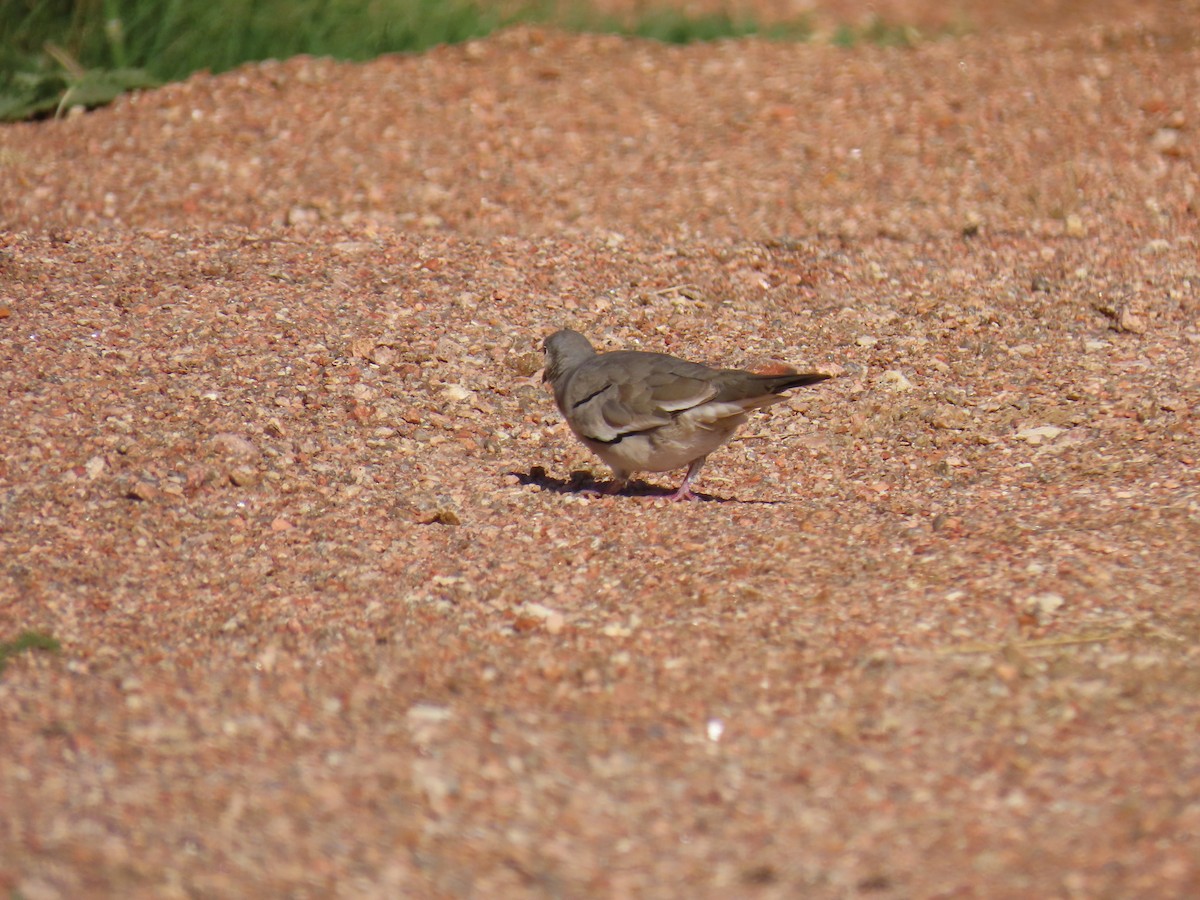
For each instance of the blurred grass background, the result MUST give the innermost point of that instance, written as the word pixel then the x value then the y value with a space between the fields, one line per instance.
pixel 57 54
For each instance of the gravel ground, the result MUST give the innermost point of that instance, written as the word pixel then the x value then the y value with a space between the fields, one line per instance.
pixel 280 474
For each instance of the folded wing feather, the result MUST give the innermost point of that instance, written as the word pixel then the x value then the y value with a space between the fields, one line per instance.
pixel 628 396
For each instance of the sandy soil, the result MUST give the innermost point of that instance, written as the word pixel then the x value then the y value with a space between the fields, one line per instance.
pixel 279 473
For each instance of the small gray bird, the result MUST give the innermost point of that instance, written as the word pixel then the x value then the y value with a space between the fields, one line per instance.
pixel 650 412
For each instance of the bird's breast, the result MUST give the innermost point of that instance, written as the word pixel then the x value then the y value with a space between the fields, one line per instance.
pixel 665 448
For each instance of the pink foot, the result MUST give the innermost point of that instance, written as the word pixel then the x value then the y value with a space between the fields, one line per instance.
pixel 684 493
pixel 685 489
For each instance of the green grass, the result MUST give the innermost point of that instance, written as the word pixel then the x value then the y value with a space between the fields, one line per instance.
pixel 56 54
pixel 26 640
pixel 60 53
pixel 173 38
pixel 671 26
pixel 881 33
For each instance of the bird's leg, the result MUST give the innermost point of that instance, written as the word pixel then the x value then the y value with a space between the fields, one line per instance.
pixel 614 486
pixel 685 489
pixel 619 480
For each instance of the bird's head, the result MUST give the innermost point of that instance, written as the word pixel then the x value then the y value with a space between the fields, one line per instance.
pixel 565 350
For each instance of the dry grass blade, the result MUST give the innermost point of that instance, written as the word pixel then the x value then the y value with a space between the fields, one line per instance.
pixel 1040 644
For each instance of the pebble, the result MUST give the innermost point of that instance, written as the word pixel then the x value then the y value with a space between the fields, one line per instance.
pixel 525 364
pixel 1131 322
pixel 352 246
pixel 243 476
pixel 1166 140
pixel 950 417
pixel 1041 433
pixel 443 515
pixel 896 380
pixel 142 490
pixel 428 714
pixel 1041 605
pixel 554 620
pixel 94 467
pixel 235 444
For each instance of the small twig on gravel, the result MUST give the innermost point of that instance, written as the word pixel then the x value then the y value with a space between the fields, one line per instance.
pixel 690 291
pixel 1034 645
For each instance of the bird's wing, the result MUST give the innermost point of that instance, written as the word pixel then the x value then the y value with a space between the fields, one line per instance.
pixel 628 392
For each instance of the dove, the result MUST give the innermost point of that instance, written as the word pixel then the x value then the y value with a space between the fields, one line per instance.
pixel 650 412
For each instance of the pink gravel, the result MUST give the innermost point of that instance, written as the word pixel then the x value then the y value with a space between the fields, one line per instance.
pixel 279 473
